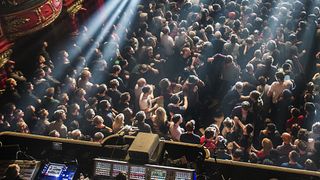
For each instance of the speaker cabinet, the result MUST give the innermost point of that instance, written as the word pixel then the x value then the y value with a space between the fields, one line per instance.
pixel 143 147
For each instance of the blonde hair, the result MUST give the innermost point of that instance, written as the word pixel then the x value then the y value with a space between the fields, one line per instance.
pixel 266 145
pixel 98 120
pixel 118 123
pixel 161 115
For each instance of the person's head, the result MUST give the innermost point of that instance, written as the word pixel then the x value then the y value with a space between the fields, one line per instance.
pixel 89 114
pixel 175 99
pixel 238 87
pixel 116 69
pixel 64 97
pixel 146 89
pixel 316 128
pixel 258 54
pixel 50 92
pixel 310 87
pixel 234 39
pixel 309 107
pixel 177 119
pixel 280 76
pixel 12 171
pixel 75 134
pixel 186 52
pixel 237 154
pixel 141 82
pixel 85 74
pixel 164 84
pixel 249 68
pixel 104 105
pixel 295 112
pixel 245 105
pixel 74 109
pixel 262 80
pixel 98 120
pixel 140 116
pixel 54 133
pixel 119 119
pixel 228 59
pixel 268 62
pixel 22 127
pixel 125 97
pixel 102 89
pixel 98 137
pixel 228 123
pixel 190 126
pixel 266 144
pixel 286 138
pixel 209 29
pixel 74 125
pixel 271 128
pixel 43 113
pixel 59 115
pixel 218 34
pixel 293 156
pixel 271 45
pixel 18 113
pixel 310 165
pixel 303 134
pixel 253 158
pixel 161 113
pixel 114 83
pixel 121 176
pixel 254 95
pixel 209 133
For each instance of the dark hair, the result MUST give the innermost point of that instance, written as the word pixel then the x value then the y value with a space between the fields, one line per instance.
pixel 209 132
pixel 140 116
pixel 294 156
pixel 124 97
pixel 146 89
pixel 238 153
pixel 309 107
pixel 174 99
pixel 176 118
pixel 271 127
pixel 280 76
pixel 295 112
pixel 190 125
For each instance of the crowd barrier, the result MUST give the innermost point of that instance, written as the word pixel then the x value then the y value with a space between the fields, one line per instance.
pixel 116 147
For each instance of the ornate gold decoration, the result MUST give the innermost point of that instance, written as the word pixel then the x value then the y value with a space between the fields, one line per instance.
pixel 13 23
pixel 75 7
pixel 4 57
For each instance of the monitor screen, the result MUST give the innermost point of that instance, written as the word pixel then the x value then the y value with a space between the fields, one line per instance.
pixel 55 171
pixel 158 174
pixel 180 175
pixel 137 172
pixel 117 168
pixel 102 168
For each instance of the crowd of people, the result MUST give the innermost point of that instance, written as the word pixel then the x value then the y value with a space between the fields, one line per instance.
pixel 241 77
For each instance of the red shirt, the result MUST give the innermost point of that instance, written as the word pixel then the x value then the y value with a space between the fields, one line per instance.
pixel 208 143
pixel 292 121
